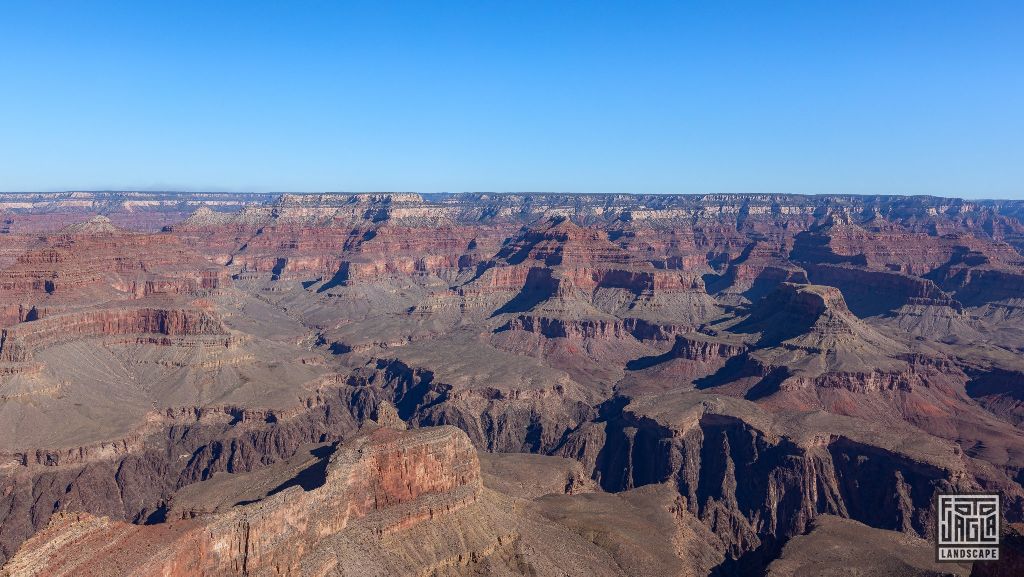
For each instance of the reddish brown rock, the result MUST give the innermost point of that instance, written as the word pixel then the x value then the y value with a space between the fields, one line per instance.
pixel 667 347
pixel 409 478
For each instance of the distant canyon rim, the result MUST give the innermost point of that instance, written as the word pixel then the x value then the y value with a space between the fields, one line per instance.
pixel 504 384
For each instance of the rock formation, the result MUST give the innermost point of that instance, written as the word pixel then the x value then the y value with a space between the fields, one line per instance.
pixel 396 480
pixel 667 385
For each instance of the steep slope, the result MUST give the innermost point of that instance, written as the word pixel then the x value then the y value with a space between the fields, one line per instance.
pixel 384 503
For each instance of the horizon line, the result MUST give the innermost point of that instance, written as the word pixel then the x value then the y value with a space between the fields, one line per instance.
pixel 506 193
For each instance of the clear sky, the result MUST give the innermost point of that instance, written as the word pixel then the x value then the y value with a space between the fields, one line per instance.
pixel 690 97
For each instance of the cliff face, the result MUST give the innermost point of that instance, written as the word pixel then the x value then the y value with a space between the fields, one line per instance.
pixel 406 478
pixel 84 262
pixel 705 376
pixel 16 343
pixel 755 488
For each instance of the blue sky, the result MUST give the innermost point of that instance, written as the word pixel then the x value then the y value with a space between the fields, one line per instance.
pixel 688 97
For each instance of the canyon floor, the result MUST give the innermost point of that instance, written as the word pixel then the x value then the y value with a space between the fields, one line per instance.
pixel 504 384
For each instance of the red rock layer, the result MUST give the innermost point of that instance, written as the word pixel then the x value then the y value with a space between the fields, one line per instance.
pixel 82 267
pixel 407 477
pixel 16 343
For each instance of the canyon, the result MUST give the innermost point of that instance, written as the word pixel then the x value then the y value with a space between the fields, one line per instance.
pixel 503 384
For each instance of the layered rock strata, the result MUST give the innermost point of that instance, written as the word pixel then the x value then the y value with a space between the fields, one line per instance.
pixel 401 479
